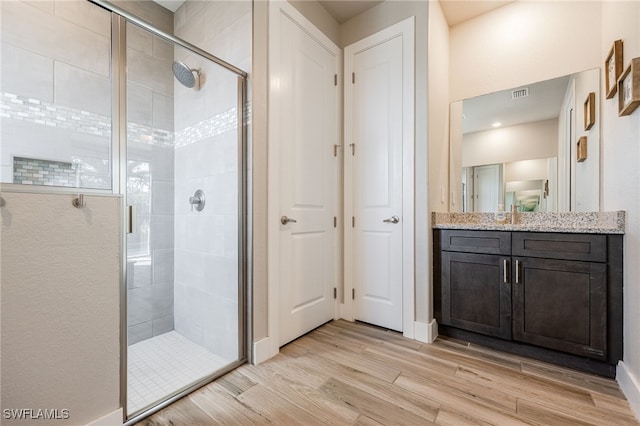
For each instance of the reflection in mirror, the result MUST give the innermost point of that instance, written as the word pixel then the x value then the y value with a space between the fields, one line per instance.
pixel 518 146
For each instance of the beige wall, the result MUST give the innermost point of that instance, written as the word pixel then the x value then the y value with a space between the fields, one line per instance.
pixel 314 12
pixel 60 295
pixel 259 169
pixel 438 117
pixel 513 143
pixel 523 42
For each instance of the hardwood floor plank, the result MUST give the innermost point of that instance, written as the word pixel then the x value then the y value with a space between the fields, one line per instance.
pixel 376 408
pixel 463 402
pixel 563 398
pixel 613 403
pixel 224 408
pixel 543 416
pixel 288 386
pixel 275 408
pixel 489 396
pixel 601 385
pixel 181 412
pixel 357 362
pixel 467 358
pixel 420 406
pixel 352 373
pixel 235 382
pixel 379 333
pixel 449 417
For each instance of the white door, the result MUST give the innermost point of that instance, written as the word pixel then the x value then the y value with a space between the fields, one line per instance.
pixel 487 188
pixel 375 122
pixel 308 186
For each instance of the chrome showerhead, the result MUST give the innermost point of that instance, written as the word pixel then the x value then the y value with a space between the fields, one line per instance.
pixel 186 76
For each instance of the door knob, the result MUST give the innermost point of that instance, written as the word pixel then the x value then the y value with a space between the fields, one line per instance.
pixel 284 220
pixel 393 219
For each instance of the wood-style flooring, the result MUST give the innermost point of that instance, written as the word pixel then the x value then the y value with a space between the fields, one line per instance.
pixel 352 373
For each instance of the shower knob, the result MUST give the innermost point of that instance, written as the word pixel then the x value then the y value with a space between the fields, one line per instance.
pixel 197 200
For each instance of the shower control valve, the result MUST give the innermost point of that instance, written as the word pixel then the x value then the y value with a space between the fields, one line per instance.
pixel 197 200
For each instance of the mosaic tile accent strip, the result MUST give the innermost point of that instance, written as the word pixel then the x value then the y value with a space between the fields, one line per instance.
pixel 574 222
pixel 37 112
pixel 30 171
pixel 218 124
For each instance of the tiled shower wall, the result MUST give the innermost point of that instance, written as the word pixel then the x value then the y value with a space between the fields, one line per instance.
pixel 151 145
pixel 55 91
pixel 206 258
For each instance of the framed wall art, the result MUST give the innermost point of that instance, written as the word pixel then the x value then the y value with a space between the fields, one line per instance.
pixel 581 152
pixel 613 68
pixel 590 111
pixel 629 88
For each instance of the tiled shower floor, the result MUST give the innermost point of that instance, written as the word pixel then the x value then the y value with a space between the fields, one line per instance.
pixel 164 364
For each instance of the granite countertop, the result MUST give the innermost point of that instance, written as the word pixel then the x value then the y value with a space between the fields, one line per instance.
pixel 573 222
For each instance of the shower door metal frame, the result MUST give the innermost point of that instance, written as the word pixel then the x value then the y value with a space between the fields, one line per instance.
pixel 119 19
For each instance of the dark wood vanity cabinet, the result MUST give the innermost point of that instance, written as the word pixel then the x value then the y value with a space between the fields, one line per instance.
pixel 556 296
pixel 475 294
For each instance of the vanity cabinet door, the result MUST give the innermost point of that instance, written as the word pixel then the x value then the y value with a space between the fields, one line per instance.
pixel 476 293
pixel 561 305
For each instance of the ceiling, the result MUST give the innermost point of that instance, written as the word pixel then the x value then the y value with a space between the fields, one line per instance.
pixel 343 10
pixel 455 11
pixel 172 5
pixel 543 103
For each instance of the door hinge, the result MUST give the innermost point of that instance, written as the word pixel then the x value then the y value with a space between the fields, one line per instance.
pixel 335 79
pixel 353 221
pixel 335 221
pixel 335 150
pixel 353 77
pixel 353 149
pixel 353 294
pixel 335 293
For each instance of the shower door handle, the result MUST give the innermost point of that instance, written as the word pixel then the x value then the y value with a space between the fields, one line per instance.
pixel 131 215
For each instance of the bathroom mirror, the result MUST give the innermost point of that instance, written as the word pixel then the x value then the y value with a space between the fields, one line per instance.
pixel 518 146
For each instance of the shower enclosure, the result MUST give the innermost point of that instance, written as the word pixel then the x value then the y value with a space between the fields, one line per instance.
pixel 182 192
pixel 126 108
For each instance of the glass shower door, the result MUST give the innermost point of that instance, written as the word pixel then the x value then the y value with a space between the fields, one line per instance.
pixel 183 172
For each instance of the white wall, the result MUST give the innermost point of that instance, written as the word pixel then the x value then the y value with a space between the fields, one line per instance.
pixel 514 143
pixel 60 296
pixel 620 183
pixel 533 41
pixel 587 172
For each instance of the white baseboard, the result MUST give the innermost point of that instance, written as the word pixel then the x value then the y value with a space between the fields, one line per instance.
pixel 426 332
pixel 263 350
pixel 630 387
pixel 112 419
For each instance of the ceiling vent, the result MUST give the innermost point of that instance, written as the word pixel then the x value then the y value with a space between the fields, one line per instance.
pixel 520 93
